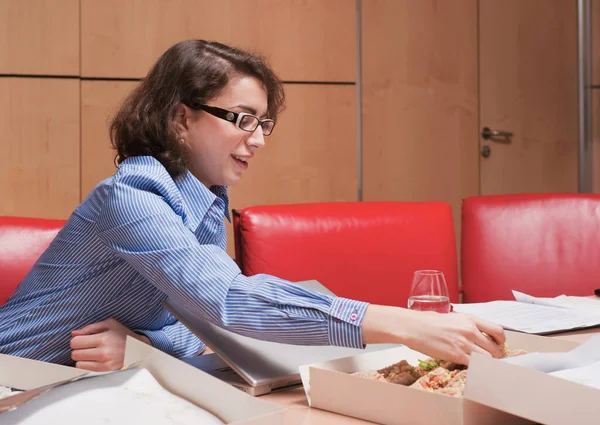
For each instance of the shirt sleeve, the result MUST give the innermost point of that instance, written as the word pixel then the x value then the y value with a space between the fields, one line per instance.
pixel 145 228
pixel 176 340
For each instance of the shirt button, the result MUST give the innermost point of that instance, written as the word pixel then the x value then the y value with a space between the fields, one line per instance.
pixel 353 317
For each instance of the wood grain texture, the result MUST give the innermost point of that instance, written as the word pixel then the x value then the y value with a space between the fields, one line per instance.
pixel 311 156
pixel 305 40
pixel 596 139
pixel 420 101
pixel 528 85
pixel 39 167
pixel 99 102
pixel 39 37
pixel 595 42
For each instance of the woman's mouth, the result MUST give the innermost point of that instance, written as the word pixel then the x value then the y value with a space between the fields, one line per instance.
pixel 241 161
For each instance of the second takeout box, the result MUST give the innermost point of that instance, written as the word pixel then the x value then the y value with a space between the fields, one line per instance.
pixel 495 393
pixel 229 404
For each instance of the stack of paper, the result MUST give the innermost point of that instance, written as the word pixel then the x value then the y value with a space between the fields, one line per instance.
pixel 538 315
pixel 576 303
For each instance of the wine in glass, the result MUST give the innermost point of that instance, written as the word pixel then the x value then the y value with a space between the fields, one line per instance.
pixel 429 292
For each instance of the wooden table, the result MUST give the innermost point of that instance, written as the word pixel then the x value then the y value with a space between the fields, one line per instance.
pixel 298 412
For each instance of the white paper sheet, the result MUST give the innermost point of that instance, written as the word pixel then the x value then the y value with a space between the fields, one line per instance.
pixel 531 318
pixel 586 375
pixel 581 365
pixel 564 301
pixel 128 397
pixel 529 299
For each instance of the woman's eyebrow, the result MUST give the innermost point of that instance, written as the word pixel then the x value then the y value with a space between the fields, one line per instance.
pixel 248 109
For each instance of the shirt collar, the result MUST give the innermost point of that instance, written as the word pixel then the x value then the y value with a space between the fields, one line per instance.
pixel 199 198
pixel 221 192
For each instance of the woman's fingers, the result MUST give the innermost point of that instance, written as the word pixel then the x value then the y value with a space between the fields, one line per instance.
pixel 490 346
pixel 88 354
pixel 85 341
pixel 492 329
pixel 477 349
pixel 461 358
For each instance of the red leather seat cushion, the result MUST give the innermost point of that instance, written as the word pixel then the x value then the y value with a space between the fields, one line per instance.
pixel 361 250
pixel 22 241
pixel 544 244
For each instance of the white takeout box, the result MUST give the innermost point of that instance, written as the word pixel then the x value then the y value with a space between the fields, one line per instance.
pixel 530 394
pixel 329 386
pixel 229 404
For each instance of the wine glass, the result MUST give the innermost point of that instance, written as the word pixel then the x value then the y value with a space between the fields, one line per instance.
pixel 429 292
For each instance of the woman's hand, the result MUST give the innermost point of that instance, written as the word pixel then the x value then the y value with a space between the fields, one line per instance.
pixel 100 347
pixel 452 336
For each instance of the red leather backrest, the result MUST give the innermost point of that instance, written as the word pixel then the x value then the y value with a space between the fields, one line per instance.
pixel 22 241
pixel 543 244
pixel 361 250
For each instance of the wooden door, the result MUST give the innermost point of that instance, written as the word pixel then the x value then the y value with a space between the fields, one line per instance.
pixel 528 86
pixel 420 101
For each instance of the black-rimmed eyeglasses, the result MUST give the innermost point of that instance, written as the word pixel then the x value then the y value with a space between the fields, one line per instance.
pixel 242 120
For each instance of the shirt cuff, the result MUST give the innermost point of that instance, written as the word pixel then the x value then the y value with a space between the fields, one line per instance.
pixel 345 322
pixel 159 340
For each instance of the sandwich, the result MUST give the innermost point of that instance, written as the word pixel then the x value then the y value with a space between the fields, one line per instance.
pixel 434 375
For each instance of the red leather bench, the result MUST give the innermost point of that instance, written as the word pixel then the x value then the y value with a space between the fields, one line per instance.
pixel 362 250
pixel 541 244
pixel 22 241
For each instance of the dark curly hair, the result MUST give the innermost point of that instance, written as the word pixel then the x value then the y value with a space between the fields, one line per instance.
pixel 190 72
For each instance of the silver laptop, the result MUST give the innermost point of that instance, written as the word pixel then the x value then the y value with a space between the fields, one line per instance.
pixel 255 366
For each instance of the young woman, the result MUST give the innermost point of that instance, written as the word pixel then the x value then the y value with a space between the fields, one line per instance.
pixel 155 230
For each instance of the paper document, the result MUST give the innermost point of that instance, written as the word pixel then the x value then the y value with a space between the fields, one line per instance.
pixel 531 318
pixel 564 301
pixel 581 365
pixel 529 299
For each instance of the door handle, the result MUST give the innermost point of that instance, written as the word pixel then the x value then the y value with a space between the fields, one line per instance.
pixel 489 134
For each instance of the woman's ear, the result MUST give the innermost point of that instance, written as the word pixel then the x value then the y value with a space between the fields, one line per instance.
pixel 182 114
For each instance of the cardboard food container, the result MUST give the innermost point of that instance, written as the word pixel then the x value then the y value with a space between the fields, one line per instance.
pixel 530 394
pixel 228 404
pixel 330 386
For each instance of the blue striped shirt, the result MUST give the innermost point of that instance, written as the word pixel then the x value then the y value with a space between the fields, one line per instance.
pixel 141 237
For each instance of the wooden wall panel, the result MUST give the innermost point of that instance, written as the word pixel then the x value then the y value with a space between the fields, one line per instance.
pixel 596 42
pixel 309 40
pixel 39 37
pixel 596 139
pixel 420 129
pixel 311 156
pixel 99 101
pixel 39 134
